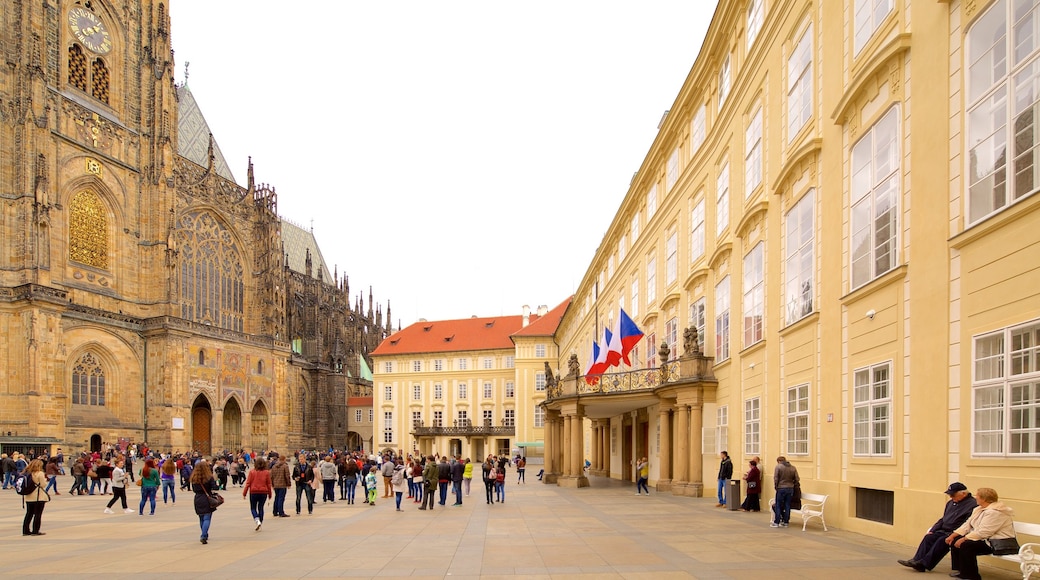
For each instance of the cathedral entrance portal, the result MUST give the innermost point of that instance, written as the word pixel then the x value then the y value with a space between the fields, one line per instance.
pixel 260 426
pixel 201 419
pixel 95 442
pixel 232 425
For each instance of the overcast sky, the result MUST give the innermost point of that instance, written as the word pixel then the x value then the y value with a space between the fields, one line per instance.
pixel 459 157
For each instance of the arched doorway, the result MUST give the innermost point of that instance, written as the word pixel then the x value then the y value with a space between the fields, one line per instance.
pixel 95 443
pixel 260 427
pixel 201 421
pixel 232 425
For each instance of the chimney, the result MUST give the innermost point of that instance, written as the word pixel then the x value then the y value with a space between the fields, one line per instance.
pixel 543 310
pixel 527 315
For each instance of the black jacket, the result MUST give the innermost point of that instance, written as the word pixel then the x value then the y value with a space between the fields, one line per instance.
pixel 955 514
pixel 726 469
pixel 201 496
pixel 443 472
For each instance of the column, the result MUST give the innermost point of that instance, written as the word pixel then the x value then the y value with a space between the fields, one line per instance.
pixel 550 446
pixel 567 452
pixel 664 477
pixel 577 458
pixel 597 449
pixel 606 448
pixel 696 460
pixel 682 437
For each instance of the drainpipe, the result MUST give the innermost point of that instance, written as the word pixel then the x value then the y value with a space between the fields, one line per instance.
pixel 144 388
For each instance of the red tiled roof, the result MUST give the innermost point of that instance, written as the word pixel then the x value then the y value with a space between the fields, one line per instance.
pixel 464 334
pixel 359 401
pixel 546 325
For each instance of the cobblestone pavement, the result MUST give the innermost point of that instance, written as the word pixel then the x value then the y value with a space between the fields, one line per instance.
pixel 541 531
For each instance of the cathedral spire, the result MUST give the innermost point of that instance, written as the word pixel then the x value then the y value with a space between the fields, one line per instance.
pixel 249 171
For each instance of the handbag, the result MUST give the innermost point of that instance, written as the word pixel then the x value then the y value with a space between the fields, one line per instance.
pixel 1004 546
pixel 140 482
pixel 215 500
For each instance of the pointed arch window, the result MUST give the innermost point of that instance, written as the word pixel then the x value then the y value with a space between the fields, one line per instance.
pixel 77 67
pixel 88 230
pixel 212 274
pixel 99 80
pixel 88 381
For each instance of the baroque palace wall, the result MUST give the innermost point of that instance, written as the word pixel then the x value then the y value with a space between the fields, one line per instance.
pixel 144 294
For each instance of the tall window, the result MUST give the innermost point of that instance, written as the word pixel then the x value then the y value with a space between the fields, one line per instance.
pixel 417 418
pixel 869 16
pixel 438 418
pixel 651 279
pixel 88 381
pixel 671 337
pixel 752 426
pixel 723 81
pixel 722 320
pixel 489 363
pixel 416 392
pixel 1006 392
pixel 539 351
pixel 875 200
pixel 388 392
pixel 539 416
pixel 388 367
pixel 388 427
pixel 798 262
pixel 697 320
pixel 438 365
pixel 212 272
pixel 97 79
pixel 371 416
pixel 488 391
pixel 755 15
pixel 463 390
pixel 651 202
pixel 634 304
pixel 416 366
pixel 88 230
pixel 463 364
pixel 622 248
pixel 721 428
pixel 872 409
pixel 488 415
pixel 799 84
pixel 754 295
pixel 697 231
pixel 539 381
pixel 798 420
pixel 672 257
pixel 1003 107
pixel 722 200
pixel 672 174
pixel 698 130
pixel 510 418
pixel 651 350
pixel 462 418
pixel 438 392
pixel 610 266
pixel 510 362
pixel 78 67
pixel 753 154
pixel 510 389
pixel 635 228
pixel 357 415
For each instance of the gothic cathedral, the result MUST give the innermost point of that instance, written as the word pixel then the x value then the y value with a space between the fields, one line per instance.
pixel 144 295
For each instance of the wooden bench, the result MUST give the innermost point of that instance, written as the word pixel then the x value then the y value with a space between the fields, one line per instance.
pixel 812 507
pixel 1028 556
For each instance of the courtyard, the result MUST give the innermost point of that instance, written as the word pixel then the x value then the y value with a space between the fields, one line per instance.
pixel 541 531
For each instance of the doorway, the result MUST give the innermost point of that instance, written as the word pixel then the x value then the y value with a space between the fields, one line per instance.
pixel 232 425
pixel 201 419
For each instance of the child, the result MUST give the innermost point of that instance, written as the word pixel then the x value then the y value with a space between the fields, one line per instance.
pixel 370 486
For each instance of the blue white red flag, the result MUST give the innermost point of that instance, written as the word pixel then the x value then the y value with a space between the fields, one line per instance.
pixel 630 335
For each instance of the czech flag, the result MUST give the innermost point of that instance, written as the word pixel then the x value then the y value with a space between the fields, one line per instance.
pixel 590 376
pixel 630 335
pixel 614 350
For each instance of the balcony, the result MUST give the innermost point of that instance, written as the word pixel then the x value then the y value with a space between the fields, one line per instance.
pixel 466 427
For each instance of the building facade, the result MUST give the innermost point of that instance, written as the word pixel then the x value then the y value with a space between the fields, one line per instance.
pixel 842 203
pixel 144 294
pixel 469 387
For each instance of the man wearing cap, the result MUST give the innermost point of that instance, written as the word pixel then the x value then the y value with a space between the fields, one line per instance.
pixel 933 548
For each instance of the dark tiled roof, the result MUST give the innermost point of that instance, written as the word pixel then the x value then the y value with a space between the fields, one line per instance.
pixel 193 135
pixel 297 241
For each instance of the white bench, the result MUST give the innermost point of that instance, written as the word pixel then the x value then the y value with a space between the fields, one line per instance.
pixel 1027 558
pixel 812 507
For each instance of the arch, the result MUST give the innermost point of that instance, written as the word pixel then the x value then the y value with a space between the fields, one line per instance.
pixel 88 229
pixel 95 442
pixel 88 380
pixel 201 425
pixel 99 80
pixel 260 426
pixel 232 424
pixel 212 272
pixel 77 67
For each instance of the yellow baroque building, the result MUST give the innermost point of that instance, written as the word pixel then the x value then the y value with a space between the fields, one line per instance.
pixel 470 387
pixel 842 201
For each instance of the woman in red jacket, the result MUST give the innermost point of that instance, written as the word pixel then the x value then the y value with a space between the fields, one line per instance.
pixel 258 486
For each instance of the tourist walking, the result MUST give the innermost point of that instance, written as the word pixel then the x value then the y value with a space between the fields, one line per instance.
pixel 281 479
pixel 303 475
pixel 500 480
pixel 370 483
pixel 168 474
pixel 119 479
pixel 457 470
pixel 36 500
pixel 399 481
pixel 204 486
pixel 51 471
pixel 258 487
pixel 149 486
pixel 642 476
pixel 753 477
pixel 78 478
pixel 429 482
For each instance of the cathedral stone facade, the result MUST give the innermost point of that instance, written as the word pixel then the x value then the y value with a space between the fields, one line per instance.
pixel 144 294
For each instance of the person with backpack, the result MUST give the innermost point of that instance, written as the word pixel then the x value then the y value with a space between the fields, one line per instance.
pixel 399 481
pixel 500 480
pixel 31 487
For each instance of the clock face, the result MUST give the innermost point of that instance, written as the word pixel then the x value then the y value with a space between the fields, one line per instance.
pixel 89 30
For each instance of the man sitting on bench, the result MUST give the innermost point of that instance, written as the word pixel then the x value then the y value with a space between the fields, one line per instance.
pixel 933 547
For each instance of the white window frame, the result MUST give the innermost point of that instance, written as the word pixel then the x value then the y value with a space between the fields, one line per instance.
pixel 634 303
pixel 371 416
pixel 438 418
pixel 388 392
pixel 489 391
pixel 722 326
pixel 651 279
pixel 867 17
pixel 724 81
pixel 1002 109
pixel 697 319
pixel 388 426
pixel 635 228
pixel 721 428
pixel 753 154
pixel 539 351
pixel 754 295
pixel 651 202
pixel 672 173
pixel 622 248
pixel 539 381
pixel 875 190
pixel 697 230
pixel 651 349
pixel 800 259
pixel 1006 392
pixel 539 416
pixel 416 418
pixel 671 260
pixel 698 129
pixel 416 392
pixel 463 364
pixel 722 200
pixel 756 14
pixel 872 411
pixel 438 392
pixel 462 389
pixel 388 367
pixel 799 84
pixel 438 364
pixel 357 416
pixel 510 389
pixel 509 418
pixel 416 366
pixel 752 426
pixel 489 363
pixel 510 362
pixel 671 337
pixel 797 406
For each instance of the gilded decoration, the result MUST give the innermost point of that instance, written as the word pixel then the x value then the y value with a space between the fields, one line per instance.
pixel 94 167
pixel 88 230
